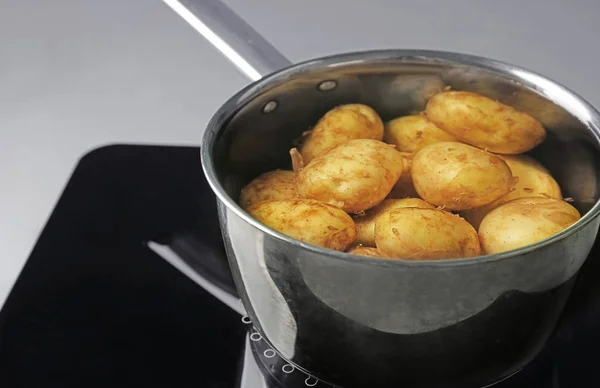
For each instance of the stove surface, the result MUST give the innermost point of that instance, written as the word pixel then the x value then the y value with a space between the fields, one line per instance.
pixel 94 306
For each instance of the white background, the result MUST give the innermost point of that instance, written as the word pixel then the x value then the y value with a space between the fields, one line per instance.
pixel 77 74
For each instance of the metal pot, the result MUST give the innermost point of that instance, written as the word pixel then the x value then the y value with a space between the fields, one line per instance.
pixel 362 322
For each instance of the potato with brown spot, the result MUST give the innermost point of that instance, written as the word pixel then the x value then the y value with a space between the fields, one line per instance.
pixel 365 225
pixel 485 123
pixel 524 221
pixel 354 176
pixel 364 251
pixel 425 234
pixel 278 184
pixel 411 133
pixel 310 221
pixel 458 176
pixel 534 180
pixel 336 127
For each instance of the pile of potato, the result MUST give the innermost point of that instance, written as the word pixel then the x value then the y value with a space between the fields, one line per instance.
pixel 446 183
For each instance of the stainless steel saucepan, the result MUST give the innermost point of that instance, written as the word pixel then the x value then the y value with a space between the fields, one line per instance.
pixel 363 322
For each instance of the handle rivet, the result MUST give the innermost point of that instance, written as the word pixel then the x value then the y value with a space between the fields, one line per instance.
pixel 269 106
pixel 326 86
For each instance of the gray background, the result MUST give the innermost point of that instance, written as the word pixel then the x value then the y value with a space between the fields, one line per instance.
pixel 77 74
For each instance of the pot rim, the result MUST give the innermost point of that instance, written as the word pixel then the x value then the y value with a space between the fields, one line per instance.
pixel 555 92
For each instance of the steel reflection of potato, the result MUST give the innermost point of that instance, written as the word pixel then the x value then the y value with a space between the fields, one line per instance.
pixel 354 176
pixel 346 122
pixel 364 251
pixel 524 221
pixel 425 234
pixel 485 123
pixel 457 176
pixel 365 225
pixel 313 222
pixel 533 181
pixel 411 133
pixel 279 184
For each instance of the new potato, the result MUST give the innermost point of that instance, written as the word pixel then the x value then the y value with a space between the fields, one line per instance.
pixel 365 225
pixel 313 222
pixel 425 234
pixel 411 133
pixel 533 181
pixel 524 221
pixel 404 187
pixel 485 123
pixel 279 184
pixel 354 176
pixel 346 122
pixel 457 176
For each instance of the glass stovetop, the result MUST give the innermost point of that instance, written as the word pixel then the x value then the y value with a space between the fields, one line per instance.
pixel 94 306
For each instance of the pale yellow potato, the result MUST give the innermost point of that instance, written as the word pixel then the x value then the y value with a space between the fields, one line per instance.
pixel 278 184
pixel 313 222
pixel 411 133
pixel 354 176
pixel 457 176
pixel 425 234
pixel 346 122
pixel 485 123
pixel 524 221
pixel 534 180
pixel 365 225
pixel 407 158
pixel 364 251
pixel 404 187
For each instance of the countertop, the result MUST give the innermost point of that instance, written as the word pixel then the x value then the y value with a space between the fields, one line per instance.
pixel 76 75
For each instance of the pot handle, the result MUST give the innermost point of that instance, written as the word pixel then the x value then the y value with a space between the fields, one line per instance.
pixel 252 54
pixel 207 268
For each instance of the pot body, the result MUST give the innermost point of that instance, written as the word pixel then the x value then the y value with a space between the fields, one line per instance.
pixel 362 322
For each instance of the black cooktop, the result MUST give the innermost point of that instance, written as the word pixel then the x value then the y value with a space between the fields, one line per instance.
pixel 94 307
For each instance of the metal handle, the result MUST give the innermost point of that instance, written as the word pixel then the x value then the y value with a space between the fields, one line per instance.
pixel 199 276
pixel 252 54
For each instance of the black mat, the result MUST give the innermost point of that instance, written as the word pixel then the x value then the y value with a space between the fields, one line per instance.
pixel 94 307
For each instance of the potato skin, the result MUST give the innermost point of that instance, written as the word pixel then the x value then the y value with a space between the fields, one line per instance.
pixel 457 176
pixel 346 122
pixel 534 180
pixel 364 251
pixel 313 222
pixel 354 176
pixel 365 225
pixel 411 133
pixel 524 221
pixel 425 234
pixel 278 184
pixel 485 123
